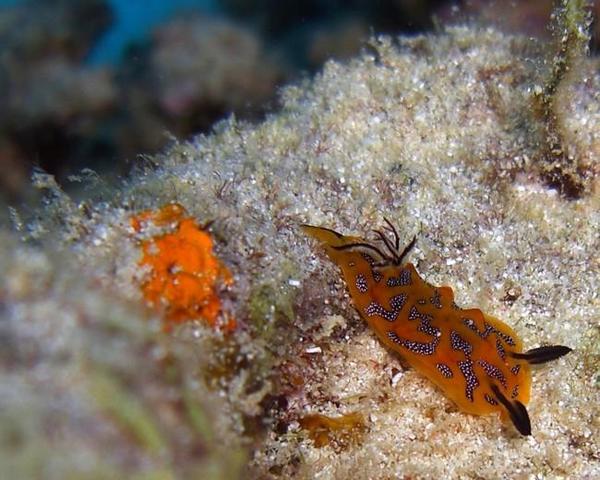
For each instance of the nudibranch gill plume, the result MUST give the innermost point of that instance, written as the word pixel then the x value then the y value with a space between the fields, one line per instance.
pixel 474 358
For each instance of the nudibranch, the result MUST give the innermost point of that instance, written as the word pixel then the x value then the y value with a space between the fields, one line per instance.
pixel 475 359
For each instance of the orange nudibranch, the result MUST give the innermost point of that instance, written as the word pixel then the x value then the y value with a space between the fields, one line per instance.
pixel 475 359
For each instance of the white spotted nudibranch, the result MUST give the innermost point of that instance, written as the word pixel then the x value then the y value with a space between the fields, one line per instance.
pixel 475 359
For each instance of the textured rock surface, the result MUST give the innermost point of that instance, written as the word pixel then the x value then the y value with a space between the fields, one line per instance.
pixel 437 134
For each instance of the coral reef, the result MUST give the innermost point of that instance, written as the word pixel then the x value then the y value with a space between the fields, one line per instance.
pixel 91 388
pixel 60 111
pixel 339 41
pixel 201 64
pixel 438 133
pixel 49 97
pixel 63 113
pixel 570 158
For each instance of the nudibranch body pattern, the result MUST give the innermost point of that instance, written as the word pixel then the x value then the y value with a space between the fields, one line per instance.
pixel 475 359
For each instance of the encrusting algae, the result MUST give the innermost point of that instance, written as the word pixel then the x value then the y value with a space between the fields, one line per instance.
pixel 185 275
pixel 324 430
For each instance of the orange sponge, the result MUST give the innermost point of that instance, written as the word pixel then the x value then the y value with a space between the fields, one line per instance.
pixel 185 275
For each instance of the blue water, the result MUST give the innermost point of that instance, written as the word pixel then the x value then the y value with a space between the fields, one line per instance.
pixel 134 19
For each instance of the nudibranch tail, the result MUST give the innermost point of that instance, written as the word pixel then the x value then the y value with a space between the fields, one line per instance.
pixel 516 411
pixel 543 354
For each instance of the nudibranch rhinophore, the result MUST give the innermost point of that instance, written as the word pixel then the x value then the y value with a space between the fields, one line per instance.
pixel 475 359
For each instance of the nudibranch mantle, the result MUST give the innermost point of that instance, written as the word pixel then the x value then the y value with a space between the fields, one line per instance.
pixel 474 358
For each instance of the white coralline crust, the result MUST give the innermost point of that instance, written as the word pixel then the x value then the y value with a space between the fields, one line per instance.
pixel 437 134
